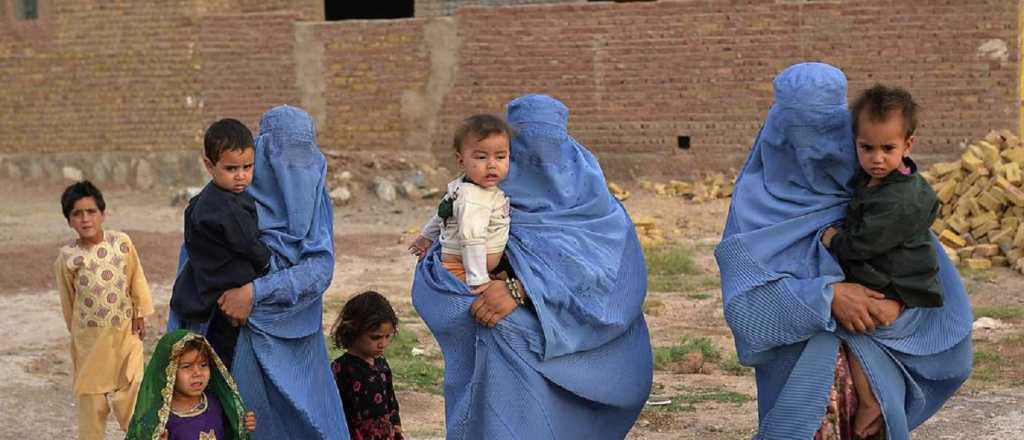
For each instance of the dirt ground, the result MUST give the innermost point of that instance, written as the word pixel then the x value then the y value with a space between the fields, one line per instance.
pixel 35 397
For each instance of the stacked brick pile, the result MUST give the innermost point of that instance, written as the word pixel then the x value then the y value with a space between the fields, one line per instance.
pixel 981 223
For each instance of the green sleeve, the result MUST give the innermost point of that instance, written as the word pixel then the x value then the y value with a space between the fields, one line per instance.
pixel 886 223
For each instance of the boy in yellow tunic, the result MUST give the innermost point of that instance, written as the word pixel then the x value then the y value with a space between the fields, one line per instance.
pixel 104 297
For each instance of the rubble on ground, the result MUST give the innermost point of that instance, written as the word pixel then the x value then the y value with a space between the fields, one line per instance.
pixel 714 186
pixel 647 232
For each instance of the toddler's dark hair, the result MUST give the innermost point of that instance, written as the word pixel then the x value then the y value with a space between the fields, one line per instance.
pixel 77 191
pixel 482 126
pixel 362 313
pixel 880 100
pixel 224 135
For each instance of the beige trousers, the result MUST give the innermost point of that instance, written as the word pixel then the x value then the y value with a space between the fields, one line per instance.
pixel 93 410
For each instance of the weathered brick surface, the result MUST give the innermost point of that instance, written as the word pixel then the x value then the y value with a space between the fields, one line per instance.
pixel 151 75
pixel 92 76
pixel 370 66
pixel 638 75
pixel 307 10
pixel 247 65
pixel 437 8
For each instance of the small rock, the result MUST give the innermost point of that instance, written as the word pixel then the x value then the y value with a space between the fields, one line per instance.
pixel 119 173
pixel 183 196
pixel 430 193
pixel 617 191
pixel 145 175
pixel 987 323
pixel 13 172
pixel 72 173
pixel 409 190
pixel 416 178
pixel 385 189
pixel 34 169
pixel 341 195
pixel 345 176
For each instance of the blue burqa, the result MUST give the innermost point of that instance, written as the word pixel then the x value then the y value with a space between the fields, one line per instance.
pixel 581 366
pixel 777 277
pixel 281 364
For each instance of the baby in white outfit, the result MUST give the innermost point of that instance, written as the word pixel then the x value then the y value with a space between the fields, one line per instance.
pixel 472 220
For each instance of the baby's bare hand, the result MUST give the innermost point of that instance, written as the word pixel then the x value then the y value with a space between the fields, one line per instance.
pixel 419 246
pixel 826 237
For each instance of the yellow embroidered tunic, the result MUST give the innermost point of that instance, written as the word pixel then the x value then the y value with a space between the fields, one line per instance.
pixel 102 287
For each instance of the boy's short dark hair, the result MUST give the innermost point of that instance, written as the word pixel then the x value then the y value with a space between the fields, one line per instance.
pixel 482 126
pixel 77 191
pixel 362 313
pixel 879 100
pixel 224 135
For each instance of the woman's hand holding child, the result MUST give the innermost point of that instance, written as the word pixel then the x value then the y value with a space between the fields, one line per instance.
pixel 250 421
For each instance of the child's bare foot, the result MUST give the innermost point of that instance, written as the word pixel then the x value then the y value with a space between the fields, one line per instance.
pixel 868 420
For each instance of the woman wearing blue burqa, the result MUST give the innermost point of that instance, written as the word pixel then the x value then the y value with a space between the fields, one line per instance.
pixel 577 363
pixel 785 300
pixel 280 362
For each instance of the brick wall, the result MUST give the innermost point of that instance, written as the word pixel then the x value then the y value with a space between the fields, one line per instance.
pixel 636 76
pixel 90 76
pixel 438 8
pixel 307 10
pixel 369 65
pixel 246 65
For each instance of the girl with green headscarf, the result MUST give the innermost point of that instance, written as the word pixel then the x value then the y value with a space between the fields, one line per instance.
pixel 187 394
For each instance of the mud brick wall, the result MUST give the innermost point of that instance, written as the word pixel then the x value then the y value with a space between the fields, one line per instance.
pixel 369 68
pixel 247 65
pixel 639 75
pixel 307 10
pixel 88 75
pixel 438 8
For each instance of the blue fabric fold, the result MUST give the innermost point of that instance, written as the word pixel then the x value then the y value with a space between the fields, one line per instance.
pixel 580 367
pixel 283 334
pixel 777 277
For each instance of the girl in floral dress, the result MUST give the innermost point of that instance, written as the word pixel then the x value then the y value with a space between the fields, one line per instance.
pixel 364 328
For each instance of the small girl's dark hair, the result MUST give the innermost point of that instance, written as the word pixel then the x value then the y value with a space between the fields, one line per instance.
pixel 77 191
pixel 197 344
pixel 362 313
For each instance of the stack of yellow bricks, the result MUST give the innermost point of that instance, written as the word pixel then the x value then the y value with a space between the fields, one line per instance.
pixel 981 223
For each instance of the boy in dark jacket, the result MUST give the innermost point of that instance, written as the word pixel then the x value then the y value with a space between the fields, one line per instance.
pixel 221 236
